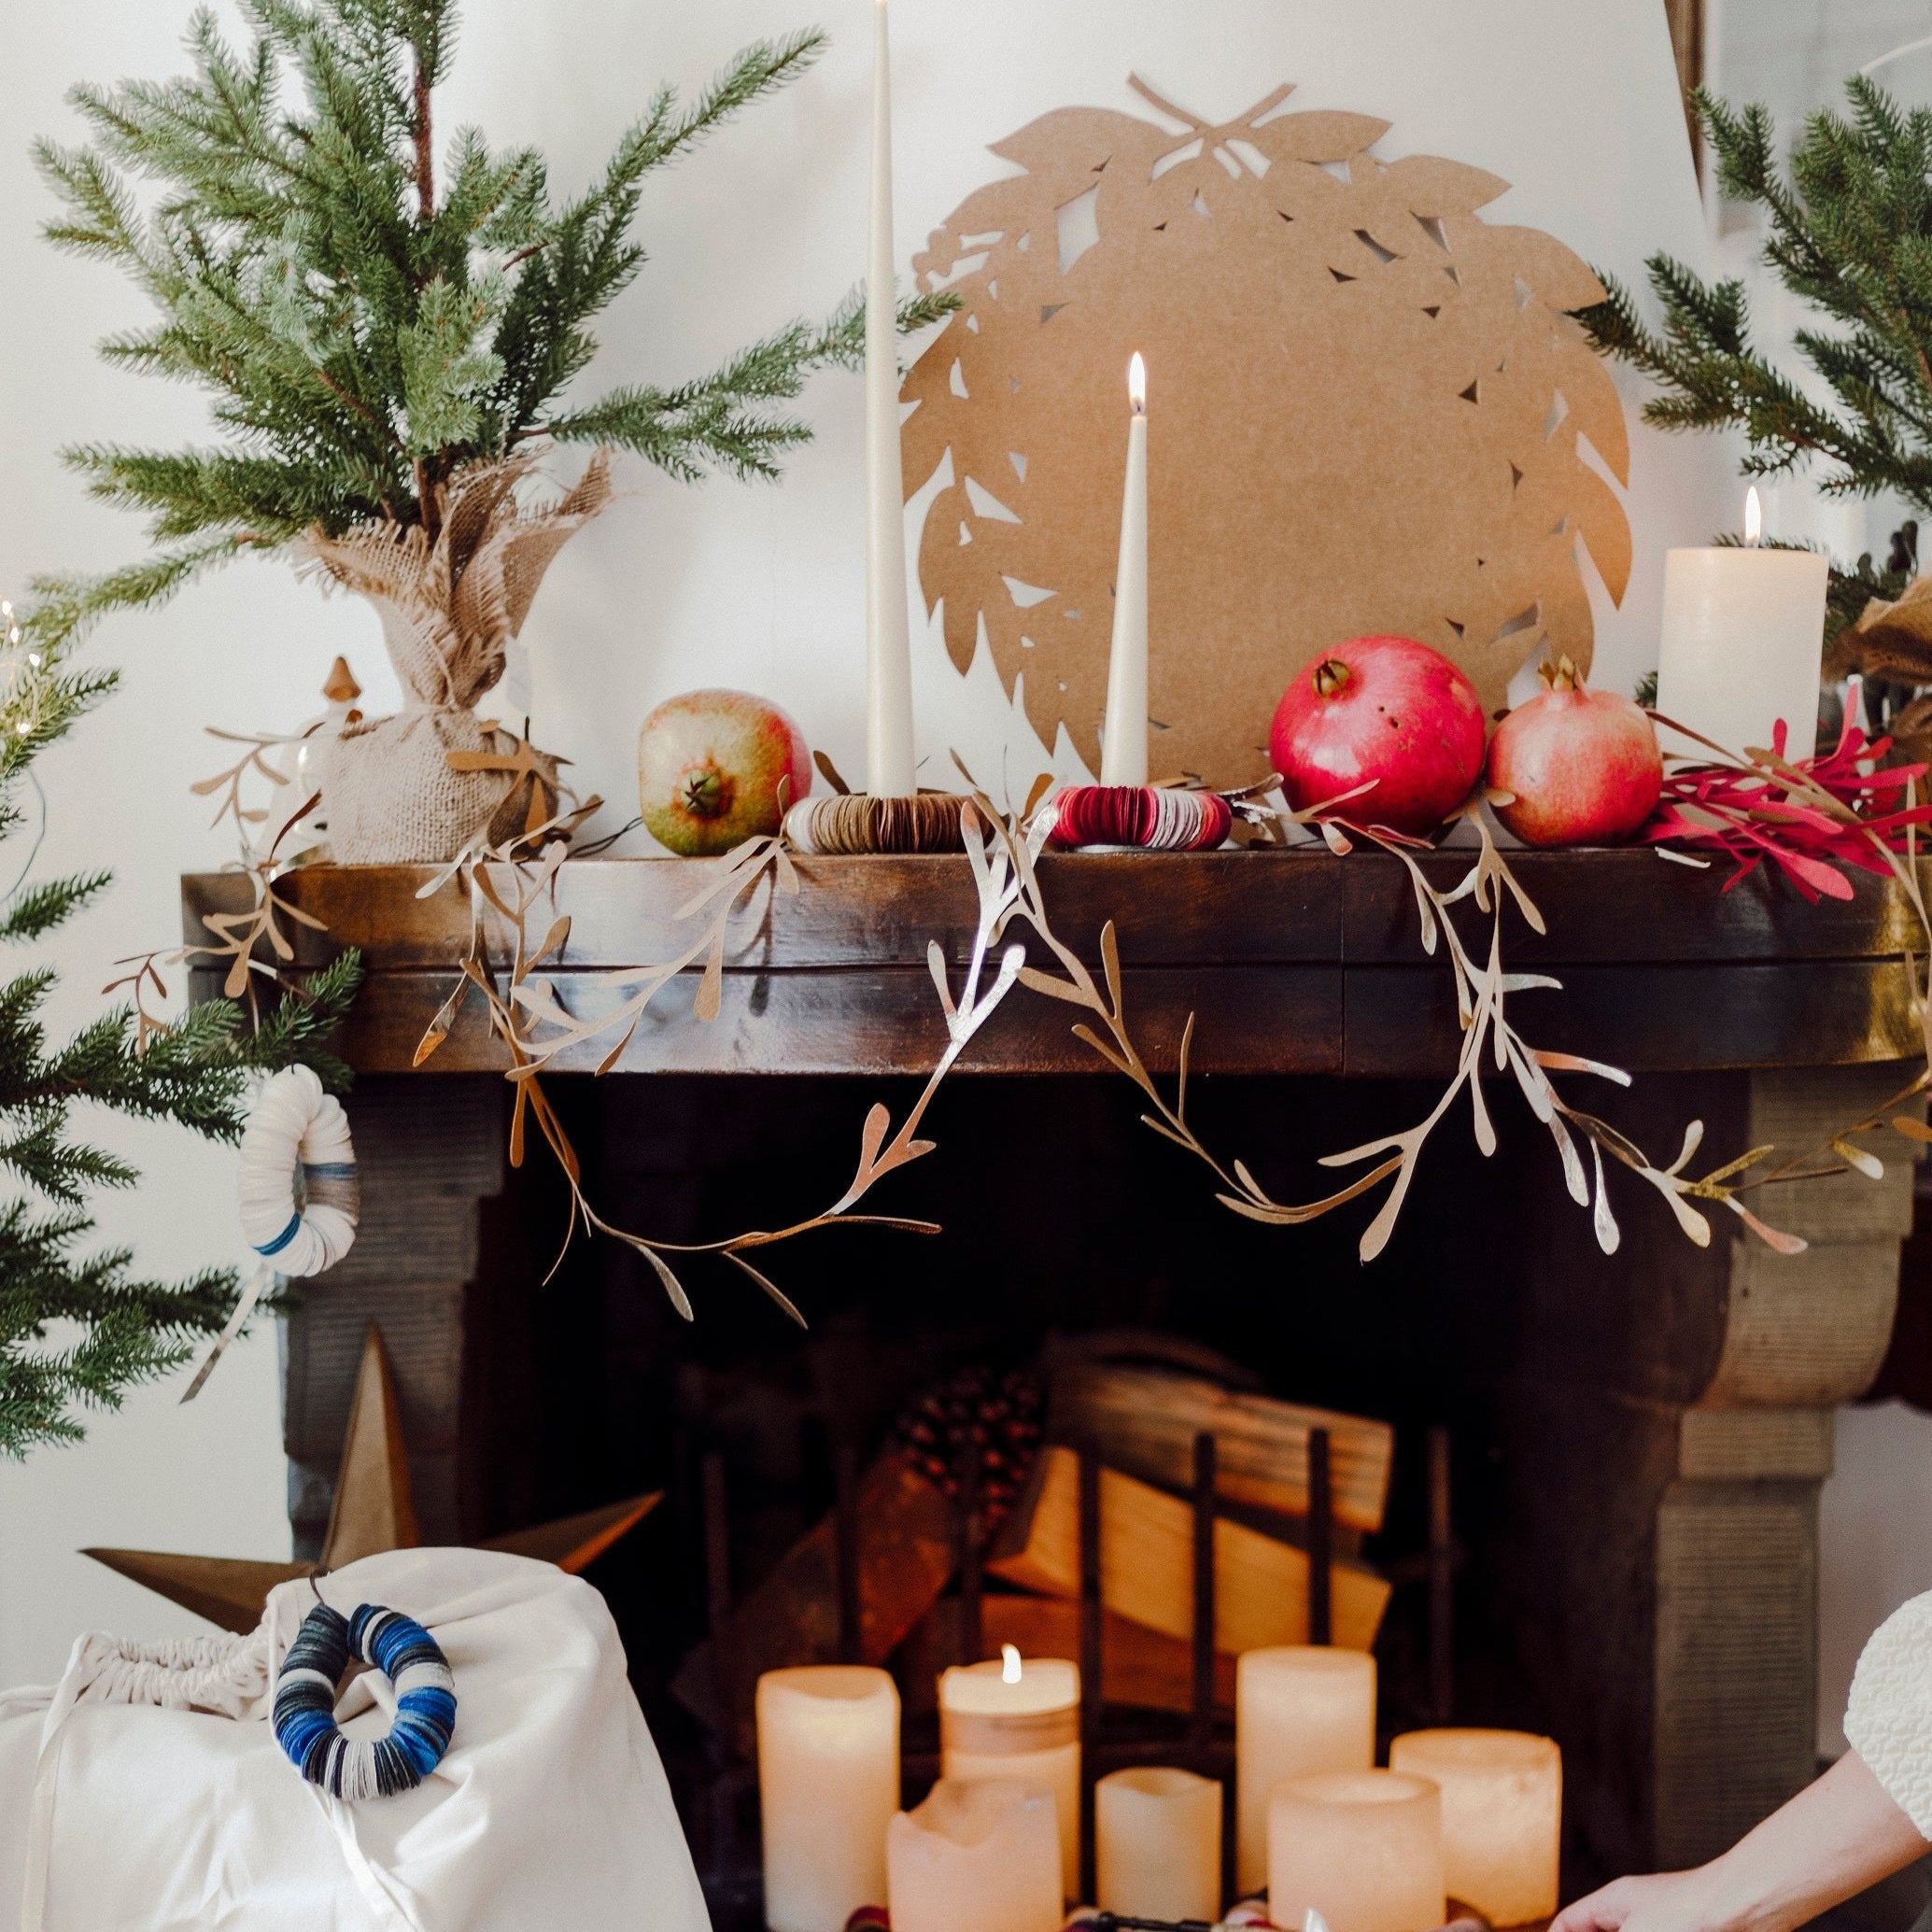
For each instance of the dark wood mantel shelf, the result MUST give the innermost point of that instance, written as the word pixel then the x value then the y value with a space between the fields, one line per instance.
pixel 1295 963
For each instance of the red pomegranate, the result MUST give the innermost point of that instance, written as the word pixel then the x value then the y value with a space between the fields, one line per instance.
pixel 1387 709
pixel 710 764
pixel 1582 765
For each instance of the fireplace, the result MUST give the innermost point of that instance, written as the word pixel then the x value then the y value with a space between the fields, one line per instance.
pixel 1636 1442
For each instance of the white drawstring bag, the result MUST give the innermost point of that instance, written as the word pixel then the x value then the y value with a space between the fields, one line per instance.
pixel 146 1791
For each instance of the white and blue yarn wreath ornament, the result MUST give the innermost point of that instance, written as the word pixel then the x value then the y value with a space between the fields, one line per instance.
pixel 295 1128
pixel 294 1132
pixel 304 1706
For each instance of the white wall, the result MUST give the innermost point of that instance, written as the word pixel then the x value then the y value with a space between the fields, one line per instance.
pixel 758 587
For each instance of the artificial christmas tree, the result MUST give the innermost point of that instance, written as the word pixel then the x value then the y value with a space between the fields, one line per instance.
pixel 77 1329
pixel 389 335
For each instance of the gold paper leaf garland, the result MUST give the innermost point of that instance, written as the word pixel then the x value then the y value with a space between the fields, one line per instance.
pixel 1367 405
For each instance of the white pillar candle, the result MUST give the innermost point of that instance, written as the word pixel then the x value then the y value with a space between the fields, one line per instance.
pixel 1503 1810
pixel 1298 1708
pixel 1364 1849
pixel 1742 639
pixel 979 1856
pixel 828 1785
pixel 889 772
pixel 1124 738
pixel 1157 1844
pixel 1005 1720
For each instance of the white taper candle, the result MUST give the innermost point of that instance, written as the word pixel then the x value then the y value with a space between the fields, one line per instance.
pixel 889 770
pixel 1124 737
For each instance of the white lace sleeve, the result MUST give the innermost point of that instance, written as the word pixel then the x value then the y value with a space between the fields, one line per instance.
pixel 1888 1721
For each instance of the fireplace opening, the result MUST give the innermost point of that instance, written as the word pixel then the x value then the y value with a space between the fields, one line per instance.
pixel 1491 1326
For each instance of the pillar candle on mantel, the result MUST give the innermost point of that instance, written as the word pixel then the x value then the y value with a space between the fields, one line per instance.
pixel 1298 1708
pixel 1364 1849
pixel 889 767
pixel 980 1856
pixel 1157 1844
pixel 1123 735
pixel 828 1785
pixel 1741 643
pixel 1007 1719
pixel 1502 1811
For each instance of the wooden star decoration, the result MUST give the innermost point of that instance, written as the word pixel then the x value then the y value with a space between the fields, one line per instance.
pixel 374 1511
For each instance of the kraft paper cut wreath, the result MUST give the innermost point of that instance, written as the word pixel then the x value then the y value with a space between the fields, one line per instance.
pixel 1366 412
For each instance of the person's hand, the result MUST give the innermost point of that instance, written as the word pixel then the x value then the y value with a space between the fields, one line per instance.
pixel 1666 1901
pixel 1834 1839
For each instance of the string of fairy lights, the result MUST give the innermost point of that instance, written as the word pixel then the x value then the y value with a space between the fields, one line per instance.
pixel 19 679
pixel 20 710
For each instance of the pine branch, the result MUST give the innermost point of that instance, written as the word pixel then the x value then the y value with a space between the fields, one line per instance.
pixel 299 1029
pixel 33 913
pixel 1850 231
pixel 664 133
pixel 114 1329
pixel 66 608
pixel 724 420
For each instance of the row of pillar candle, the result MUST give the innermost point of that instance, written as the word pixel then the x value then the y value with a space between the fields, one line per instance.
pixel 1469 1815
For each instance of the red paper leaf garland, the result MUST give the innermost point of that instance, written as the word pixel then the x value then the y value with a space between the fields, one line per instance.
pixel 1755 811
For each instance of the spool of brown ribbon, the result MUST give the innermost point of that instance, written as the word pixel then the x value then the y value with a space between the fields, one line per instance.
pixel 856 822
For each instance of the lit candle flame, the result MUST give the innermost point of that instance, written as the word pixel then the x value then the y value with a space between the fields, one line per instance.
pixel 1753 520
pixel 1009 1653
pixel 1136 383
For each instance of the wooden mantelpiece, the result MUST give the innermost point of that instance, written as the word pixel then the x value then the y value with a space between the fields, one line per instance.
pixel 1293 963
pixel 1650 1428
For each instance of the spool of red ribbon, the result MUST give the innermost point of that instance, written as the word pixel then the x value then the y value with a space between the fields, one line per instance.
pixel 1148 818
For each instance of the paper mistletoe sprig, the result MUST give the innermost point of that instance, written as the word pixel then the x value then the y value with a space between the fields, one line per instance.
pixel 1482 992
pixel 241 938
pixel 528 1015
pixel 254 763
pixel 1482 995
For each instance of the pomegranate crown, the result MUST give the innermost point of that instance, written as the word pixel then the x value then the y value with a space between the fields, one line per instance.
pixel 1562 675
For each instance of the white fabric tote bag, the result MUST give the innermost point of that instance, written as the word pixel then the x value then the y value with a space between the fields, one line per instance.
pixel 146 1793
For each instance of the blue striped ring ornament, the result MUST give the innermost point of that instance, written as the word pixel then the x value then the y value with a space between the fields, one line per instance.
pixel 295 1127
pixel 305 1707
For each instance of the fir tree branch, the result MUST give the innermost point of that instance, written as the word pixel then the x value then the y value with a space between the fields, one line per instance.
pixel 724 419
pixel 36 912
pixel 66 608
pixel 663 134
pixel 1850 231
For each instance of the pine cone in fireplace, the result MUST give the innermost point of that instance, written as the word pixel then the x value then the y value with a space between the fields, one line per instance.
pixel 998 1413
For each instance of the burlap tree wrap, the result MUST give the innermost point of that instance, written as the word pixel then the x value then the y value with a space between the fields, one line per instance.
pixel 449 607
